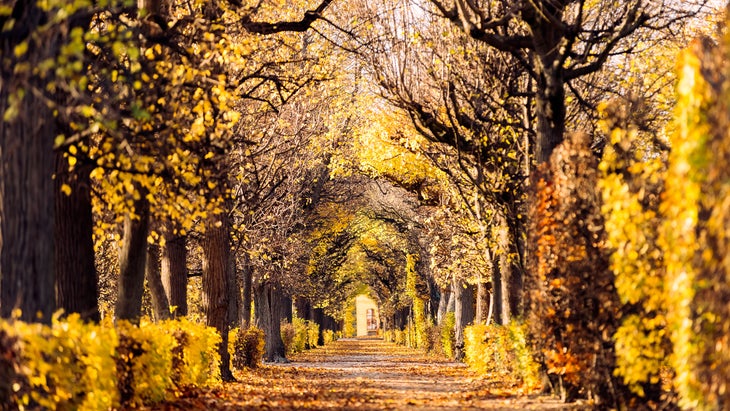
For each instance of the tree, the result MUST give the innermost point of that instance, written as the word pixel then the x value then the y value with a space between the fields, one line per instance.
pixel 27 133
pixel 559 43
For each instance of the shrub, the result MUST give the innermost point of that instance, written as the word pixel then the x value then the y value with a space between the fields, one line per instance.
pixel 400 337
pixel 146 353
pixel 328 336
pixel 75 365
pixel 13 384
pixel 694 238
pixel 501 350
pixel 288 334
pixel 632 183
pixel 198 348
pixel 69 364
pixel 447 334
pixel 572 304
pixel 248 348
pixel 312 334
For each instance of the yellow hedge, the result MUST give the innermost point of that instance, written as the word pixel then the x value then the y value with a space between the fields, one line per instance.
pixel 502 350
pixel 82 366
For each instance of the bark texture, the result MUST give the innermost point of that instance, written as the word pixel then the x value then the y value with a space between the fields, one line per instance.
pixel 268 317
pixel 174 275
pixel 132 260
pixel 160 304
pixel 26 187
pixel 76 276
pixel 216 252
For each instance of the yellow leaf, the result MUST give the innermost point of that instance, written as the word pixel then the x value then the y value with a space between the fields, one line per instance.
pixel 66 189
pixel 20 49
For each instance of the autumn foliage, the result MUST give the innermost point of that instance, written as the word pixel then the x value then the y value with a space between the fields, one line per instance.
pixel 696 212
pixel 572 302
pixel 76 365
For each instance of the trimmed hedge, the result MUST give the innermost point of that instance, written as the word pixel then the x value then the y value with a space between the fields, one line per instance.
pixel 76 365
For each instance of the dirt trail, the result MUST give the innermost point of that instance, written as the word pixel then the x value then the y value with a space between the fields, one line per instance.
pixel 364 375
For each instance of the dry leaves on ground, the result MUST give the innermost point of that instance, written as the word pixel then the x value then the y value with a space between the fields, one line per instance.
pixel 363 375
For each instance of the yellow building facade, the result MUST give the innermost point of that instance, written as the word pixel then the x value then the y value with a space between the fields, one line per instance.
pixel 367 316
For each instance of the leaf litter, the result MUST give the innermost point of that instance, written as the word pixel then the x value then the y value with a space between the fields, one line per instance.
pixel 365 374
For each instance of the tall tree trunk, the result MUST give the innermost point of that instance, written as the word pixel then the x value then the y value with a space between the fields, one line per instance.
pixel 451 304
pixel 458 290
pixel 132 260
pixel 286 307
pixel 26 168
pixel 550 96
pixel 443 304
pixel 216 250
pixel 468 304
pixel 498 290
pixel 234 294
pixel 247 290
pixel 174 273
pixel 550 112
pixel 76 277
pixel 507 283
pixel 160 304
pixel 303 308
pixel 482 303
pixel 267 317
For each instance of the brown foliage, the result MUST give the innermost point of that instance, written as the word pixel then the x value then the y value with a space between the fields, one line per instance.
pixel 572 302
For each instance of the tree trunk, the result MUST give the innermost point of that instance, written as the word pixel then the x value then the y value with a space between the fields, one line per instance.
pixel 286 308
pixel 76 277
pixel 132 259
pixel 304 308
pixel 216 252
pixel 160 304
pixel 550 112
pixel 443 304
pixel 26 188
pixel 451 304
pixel 247 289
pixel 267 317
pixel 482 303
pixel 550 95
pixel 468 304
pixel 507 297
pixel 174 273
pixel 458 292
pixel 234 294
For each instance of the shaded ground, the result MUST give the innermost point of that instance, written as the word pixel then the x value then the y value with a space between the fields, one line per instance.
pixel 364 375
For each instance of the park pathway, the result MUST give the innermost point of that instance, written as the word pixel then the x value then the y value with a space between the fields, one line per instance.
pixel 353 374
